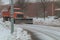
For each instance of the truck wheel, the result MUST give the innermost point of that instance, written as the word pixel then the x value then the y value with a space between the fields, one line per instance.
pixel 14 21
pixel 5 19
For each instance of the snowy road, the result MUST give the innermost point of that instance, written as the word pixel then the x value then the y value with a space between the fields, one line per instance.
pixel 40 32
pixel 43 32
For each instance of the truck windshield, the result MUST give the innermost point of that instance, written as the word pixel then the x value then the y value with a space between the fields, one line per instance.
pixel 19 15
pixel 18 11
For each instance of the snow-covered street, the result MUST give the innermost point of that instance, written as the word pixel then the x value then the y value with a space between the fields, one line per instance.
pixel 48 29
pixel 43 32
pixel 28 32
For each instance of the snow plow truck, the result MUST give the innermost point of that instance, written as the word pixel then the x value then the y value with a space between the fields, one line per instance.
pixel 18 16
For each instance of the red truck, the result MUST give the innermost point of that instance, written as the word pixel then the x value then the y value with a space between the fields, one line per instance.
pixel 18 16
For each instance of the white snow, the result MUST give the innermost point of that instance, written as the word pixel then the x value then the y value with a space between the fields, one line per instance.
pixel 19 33
pixel 47 21
pixel 3 33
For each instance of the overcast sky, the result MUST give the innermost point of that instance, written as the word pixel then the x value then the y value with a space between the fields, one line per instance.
pixel 7 1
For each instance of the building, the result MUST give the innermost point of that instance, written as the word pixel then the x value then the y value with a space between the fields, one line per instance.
pixel 36 9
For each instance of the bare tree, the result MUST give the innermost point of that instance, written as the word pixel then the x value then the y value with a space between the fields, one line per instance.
pixel 44 4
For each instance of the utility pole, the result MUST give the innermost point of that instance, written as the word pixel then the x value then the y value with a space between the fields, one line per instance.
pixel 12 19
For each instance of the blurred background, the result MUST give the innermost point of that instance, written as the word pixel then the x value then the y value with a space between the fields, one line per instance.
pixel 35 8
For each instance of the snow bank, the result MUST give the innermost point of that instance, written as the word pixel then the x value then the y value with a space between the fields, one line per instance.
pixel 19 33
pixel 47 21
pixel 3 33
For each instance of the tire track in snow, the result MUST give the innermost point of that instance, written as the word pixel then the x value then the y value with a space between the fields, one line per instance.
pixel 40 26
pixel 46 27
pixel 50 34
pixel 54 33
pixel 37 31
